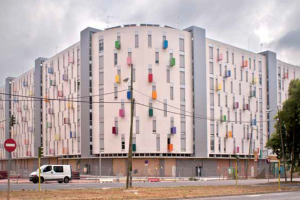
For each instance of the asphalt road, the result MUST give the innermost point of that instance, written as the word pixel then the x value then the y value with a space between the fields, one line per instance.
pixel 273 196
pixel 55 185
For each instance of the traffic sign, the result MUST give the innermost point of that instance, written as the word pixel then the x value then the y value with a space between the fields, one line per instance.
pixel 10 145
pixel 146 161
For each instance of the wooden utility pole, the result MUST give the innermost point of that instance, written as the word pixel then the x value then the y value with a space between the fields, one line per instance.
pixel 129 161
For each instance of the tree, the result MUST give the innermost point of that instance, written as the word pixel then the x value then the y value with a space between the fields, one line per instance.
pixel 290 128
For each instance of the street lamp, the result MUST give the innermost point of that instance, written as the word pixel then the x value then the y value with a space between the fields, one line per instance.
pixel 129 162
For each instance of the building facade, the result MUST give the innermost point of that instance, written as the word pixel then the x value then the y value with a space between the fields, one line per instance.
pixel 198 102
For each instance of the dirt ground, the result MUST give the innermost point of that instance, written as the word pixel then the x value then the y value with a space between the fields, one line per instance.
pixel 143 193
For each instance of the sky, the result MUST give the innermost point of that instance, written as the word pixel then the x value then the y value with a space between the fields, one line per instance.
pixel 40 28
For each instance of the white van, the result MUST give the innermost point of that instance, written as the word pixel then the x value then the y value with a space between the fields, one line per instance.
pixel 59 173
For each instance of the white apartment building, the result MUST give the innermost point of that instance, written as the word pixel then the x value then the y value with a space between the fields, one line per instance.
pixel 198 102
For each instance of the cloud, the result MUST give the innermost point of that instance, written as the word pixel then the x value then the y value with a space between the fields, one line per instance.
pixel 39 28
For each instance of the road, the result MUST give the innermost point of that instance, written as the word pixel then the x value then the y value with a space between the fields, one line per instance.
pixel 55 185
pixel 273 196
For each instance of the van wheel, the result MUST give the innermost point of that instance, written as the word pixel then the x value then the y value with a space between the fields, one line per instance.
pixel 35 182
pixel 66 180
pixel 42 180
pixel 59 181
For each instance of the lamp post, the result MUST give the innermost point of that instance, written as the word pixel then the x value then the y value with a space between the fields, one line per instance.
pixel 129 161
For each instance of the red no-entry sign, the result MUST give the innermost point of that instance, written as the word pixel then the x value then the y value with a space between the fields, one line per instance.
pixel 10 145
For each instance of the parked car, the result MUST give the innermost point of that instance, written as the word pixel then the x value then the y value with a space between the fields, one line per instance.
pixel 59 173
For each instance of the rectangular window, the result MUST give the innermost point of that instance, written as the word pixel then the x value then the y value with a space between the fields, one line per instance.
pixel 182 94
pixel 149 40
pixel 154 125
pixel 123 142
pixel 226 100
pixel 101 78
pixel 241 75
pixel 101 62
pixel 246 76
pixel 220 70
pixel 240 89
pixel 211 68
pixel 219 100
pixel 165 108
pixel 171 92
pixel 183 143
pixel 211 53
pixel 116 59
pixel 259 66
pixel 227 57
pixel 211 99
pixel 133 74
pixel 217 129
pixel 254 64
pixel 137 125
pixel 116 90
pixel 101 45
pixel 181 44
pixel 168 75
pixel 157 57
pixel 235 117
pixel 136 41
pixel 157 142
pixel 224 86
pixel 249 63
pixel 211 83
pixel 182 78
pixel 232 55
pixel 234 73
pixel 181 57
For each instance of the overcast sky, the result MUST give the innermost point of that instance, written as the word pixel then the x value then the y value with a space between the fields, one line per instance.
pixel 39 28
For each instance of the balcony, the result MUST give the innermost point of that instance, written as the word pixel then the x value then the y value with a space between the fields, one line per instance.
pixel 223 118
pixel 60 93
pixel 72 134
pixel 254 80
pixel 134 147
pixel 220 57
pixel 154 95
pixel 50 111
pixel 70 60
pixel 122 113
pixel 170 147
pixel 253 93
pixel 128 94
pixel 245 63
pixel 30 129
pixel 66 121
pixel 129 61
pixel 25 83
pixel 246 107
pixel 52 82
pixel 117 78
pixel 70 105
pixel 173 130
pixel 150 78
pixel 285 75
pixel 48 125
pixel 172 62
pixel 115 130
pixel 117 44
pixel 50 70
pixel 165 44
pixel 235 105
pixel 229 134
pixel 219 87
pixel 227 73
pixel 150 112
pixel 65 77
pixel 25 107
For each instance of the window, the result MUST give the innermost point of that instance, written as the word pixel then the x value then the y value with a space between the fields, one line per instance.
pixel 254 64
pixel 136 41
pixel 231 86
pixel 154 125
pixel 246 76
pixel 224 86
pixel 219 100
pixel 240 89
pixel 227 57
pixel 232 58
pixel 133 74
pixel 172 92
pixel 58 169
pixel 123 142
pixel 101 45
pixel 220 70
pixel 217 129
pixel 181 44
pixel 165 108
pixel 210 53
pixel 182 94
pixel 235 117
pixel 211 68
pixel 211 99
pixel 259 66
pixel 168 75
pixel 211 81
pixel 101 63
pixel 157 57
pixel 149 40
pixel 158 142
pixel 219 144
pixel 241 75
pixel 115 59
pixel 249 63
pixel 101 78
pixel 137 125
pixel 182 78
pixel 181 57
pixel 47 169
pixel 234 73
pixel 226 100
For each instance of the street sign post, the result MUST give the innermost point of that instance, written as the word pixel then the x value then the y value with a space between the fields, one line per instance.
pixel 9 145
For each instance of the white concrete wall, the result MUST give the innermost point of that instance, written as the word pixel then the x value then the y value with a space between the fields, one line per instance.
pixel 238 132
pixel 142 57
pixel 57 140
pixel 22 107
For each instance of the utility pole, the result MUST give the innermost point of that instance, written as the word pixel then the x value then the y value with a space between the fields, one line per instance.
pixel 129 161
pixel 282 147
